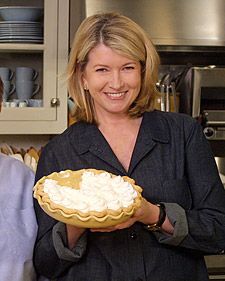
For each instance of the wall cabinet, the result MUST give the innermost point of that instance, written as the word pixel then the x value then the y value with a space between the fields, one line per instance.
pixel 50 60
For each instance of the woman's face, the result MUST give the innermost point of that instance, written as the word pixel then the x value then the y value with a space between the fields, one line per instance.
pixel 113 80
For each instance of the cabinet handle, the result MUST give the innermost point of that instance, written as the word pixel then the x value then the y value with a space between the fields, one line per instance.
pixel 55 102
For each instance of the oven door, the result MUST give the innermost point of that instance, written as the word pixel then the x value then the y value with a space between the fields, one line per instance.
pixel 208 90
pixel 216 267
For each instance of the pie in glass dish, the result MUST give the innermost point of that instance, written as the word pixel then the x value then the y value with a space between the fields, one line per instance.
pixel 88 198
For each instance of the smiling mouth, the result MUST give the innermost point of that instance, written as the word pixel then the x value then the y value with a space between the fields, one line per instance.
pixel 116 95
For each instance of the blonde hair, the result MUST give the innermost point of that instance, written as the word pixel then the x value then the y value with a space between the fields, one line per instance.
pixel 126 38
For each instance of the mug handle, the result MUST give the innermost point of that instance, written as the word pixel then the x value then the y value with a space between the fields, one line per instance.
pixel 36 90
pixel 12 90
pixel 11 75
pixel 35 75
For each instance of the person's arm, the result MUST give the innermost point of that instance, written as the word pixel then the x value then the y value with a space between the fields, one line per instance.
pixel 73 235
pixel 202 227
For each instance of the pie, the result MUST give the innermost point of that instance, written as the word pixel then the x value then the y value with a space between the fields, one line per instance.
pixel 88 198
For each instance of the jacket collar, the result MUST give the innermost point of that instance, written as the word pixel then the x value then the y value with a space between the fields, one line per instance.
pixel 87 137
pixel 152 131
pixel 154 127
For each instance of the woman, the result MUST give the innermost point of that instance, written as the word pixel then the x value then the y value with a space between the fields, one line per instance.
pixel 112 74
pixel 18 226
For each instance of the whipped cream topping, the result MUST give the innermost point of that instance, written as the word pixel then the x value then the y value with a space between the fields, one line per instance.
pixel 97 192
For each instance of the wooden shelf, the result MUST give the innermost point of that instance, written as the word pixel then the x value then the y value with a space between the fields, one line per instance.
pixel 6 47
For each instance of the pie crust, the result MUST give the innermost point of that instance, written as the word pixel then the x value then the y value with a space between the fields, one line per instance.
pixel 91 219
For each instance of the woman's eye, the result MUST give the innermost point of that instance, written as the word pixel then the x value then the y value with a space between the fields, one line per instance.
pixel 102 69
pixel 129 67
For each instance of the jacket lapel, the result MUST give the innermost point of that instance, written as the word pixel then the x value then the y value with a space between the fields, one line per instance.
pixel 151 132
pixel 91 139
pixel 143 147
pixel 103 151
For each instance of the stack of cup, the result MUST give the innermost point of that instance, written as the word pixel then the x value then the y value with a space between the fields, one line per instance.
pixel 6 75
pixel 25 83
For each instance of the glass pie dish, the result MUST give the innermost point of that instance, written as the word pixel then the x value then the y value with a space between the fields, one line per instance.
pixel 88 198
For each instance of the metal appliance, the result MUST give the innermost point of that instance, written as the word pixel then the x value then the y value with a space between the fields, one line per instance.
pixel 220 161
pixel 169 22
pixel 208 100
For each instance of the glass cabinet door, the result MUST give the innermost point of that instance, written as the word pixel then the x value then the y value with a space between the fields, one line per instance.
pixel 23 48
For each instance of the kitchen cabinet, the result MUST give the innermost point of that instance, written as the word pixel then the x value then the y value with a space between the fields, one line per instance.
pixel 49 59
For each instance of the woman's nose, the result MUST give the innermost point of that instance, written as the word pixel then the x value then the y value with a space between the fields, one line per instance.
pixel 116 81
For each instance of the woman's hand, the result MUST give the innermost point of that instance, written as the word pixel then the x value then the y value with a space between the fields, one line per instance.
pixel 148 213
pixel 73 234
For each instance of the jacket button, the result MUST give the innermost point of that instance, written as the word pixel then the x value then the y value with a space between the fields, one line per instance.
pixel 133 235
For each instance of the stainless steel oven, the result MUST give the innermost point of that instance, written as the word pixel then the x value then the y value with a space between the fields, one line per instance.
pixel 208 100
pixel 216 267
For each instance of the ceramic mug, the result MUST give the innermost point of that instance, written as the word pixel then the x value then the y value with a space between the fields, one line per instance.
pixel 22 104
pixel 26 89
pixel 35 102
pixel 6 73
pixel 26 74
pixel 8 90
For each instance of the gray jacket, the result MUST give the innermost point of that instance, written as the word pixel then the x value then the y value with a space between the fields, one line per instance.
pixel 173 163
